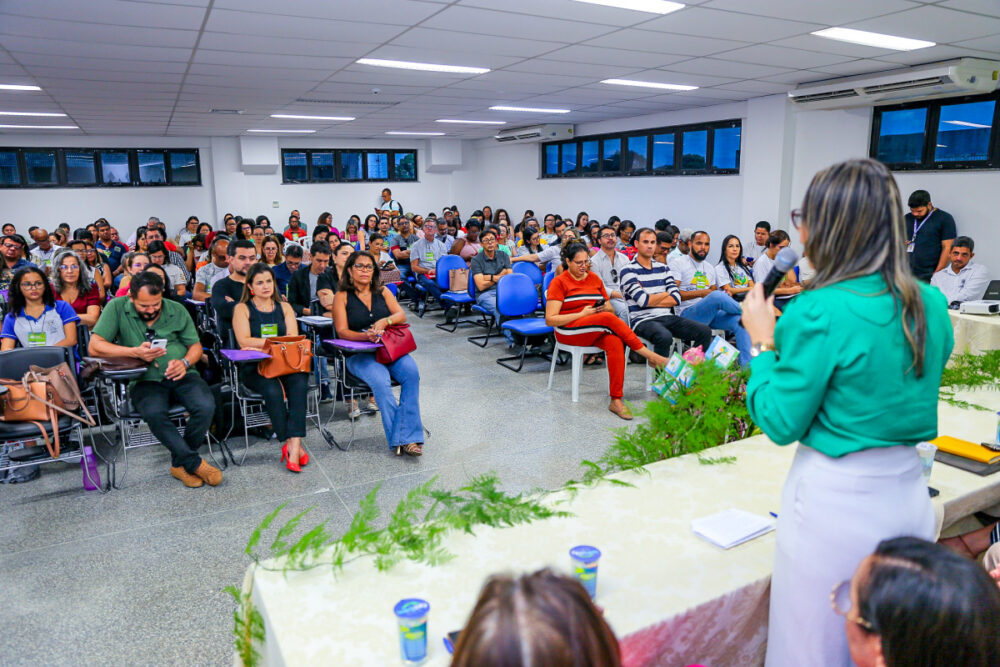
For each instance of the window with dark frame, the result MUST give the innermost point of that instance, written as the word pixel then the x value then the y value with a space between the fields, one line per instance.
pixel 98 167
pixel 347 165
pixel 704 148
pixel 936 135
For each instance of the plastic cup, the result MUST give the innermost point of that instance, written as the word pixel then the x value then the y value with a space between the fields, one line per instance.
pixel 585 560
pixel 411 619
pixel 926 452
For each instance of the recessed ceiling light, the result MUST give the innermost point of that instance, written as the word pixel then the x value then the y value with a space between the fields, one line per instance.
pixel 14 86
pixel 651 6
pixel 297 117
pixel 39 127
pixel 528 109
pixel 418 134
pixel 965 123
pixel 424 67
pixel 875 39
pixel 648 84
pixel 39 114
pixel 284 131
pixel 472 122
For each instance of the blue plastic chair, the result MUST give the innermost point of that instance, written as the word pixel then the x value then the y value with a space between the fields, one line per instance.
pixel 451 299
pixel 393 288
pixel 488 320
pixel 529 269
pixel 549 277
pixel 517 298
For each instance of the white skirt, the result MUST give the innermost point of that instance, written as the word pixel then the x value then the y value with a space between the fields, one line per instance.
pixel 834 512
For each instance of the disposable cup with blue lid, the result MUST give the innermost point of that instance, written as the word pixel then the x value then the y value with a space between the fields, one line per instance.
pixel 585 560
pixel 411 618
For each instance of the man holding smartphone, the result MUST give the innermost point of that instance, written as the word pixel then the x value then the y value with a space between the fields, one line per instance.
pixel 160 332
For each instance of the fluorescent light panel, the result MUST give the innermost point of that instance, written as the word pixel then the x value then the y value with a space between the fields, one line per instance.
pixel 528 109
pixel 417 134
pixel 648 84
pixel 14 86
pixel 651 6
pixel 965 123
pixel 472 122
pixel 297 117
pixel 39 114
pixel 284 131
pixel 39 127
pixel 874 39
pixel 424 67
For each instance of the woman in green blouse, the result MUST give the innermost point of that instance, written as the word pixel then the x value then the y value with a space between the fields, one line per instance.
pixel 852 373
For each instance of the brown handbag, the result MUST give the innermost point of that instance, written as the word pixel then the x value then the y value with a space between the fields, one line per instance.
pixel 458 280
pixel 289 354
pixel 41 396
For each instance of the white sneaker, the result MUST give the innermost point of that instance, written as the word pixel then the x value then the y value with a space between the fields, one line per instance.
pixel 354 413
pixel 372 406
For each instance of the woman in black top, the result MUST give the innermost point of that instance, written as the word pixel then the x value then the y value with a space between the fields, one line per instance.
pixel 361 311
pixel 259 315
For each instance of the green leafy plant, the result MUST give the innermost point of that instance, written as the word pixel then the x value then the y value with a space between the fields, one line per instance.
pixel 970 371
pixel 248 626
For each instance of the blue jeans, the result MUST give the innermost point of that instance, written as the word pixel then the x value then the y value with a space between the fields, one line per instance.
pixel 430 285
pixel 401 421
pixel 720 311
pixel 488 300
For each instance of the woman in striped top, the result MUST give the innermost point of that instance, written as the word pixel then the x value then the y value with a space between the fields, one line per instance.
pixel 572 310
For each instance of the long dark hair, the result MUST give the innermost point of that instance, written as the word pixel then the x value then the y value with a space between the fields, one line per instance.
pixel 931 607
pixel 537 619
pixel 255 270
pixel 740 262
pixel 571 250
pixel 374 220
pixel 16 297
pixel 347 283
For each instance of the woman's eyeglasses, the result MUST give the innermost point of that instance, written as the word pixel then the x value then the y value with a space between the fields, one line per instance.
pixel 840 600
pixel 32 285
pixel 69 267
pixel 797 218
pixel 364 268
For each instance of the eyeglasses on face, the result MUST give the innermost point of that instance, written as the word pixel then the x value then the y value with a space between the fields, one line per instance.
pixel 840 600
pixel 582 262
pixel 12 246
pixel 364 268
pixel 35 285
pixel 797 218
pixel 69 267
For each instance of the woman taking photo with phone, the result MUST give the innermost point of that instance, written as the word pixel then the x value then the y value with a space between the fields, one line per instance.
pixel 861 350
pixel 261 314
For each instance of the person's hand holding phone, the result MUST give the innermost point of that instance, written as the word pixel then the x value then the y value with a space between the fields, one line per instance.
pixel 147 352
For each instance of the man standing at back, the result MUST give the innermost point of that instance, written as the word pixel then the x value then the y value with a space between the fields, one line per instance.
pixel 127 328
pixel 387 205
pixel 929 235
pixel 701 300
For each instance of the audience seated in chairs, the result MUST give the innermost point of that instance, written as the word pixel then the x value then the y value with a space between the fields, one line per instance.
pixel 732 273
pixel 313 281
pixel 651 292
pixel 361 311
pixel 96 264
pixel 134 263
pixel 916 603
pixel 35 318
pixel 227 291
pixel 158 254
pixel 168 287
pixel 270 250
pixel 539 619
pixel 13 260
pixel 218 264
pixel 292 262
pixel 469 245
pixel 701 299
pixel 424 254
pixel 789 286
pixel 487 268
pixel 259 315
pixel 608 263
pixel 570 310
pixel 127 328
pixel 962 280
pixel 399 246
pixel 72 284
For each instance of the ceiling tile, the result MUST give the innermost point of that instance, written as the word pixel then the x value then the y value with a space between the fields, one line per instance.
pixel 778 56
pixel 929 55
pixel 222 41
pixel 543 66
pixel 757 87
pixel 827 13
pixel 424 38
pixel 855 67
pixel 990 45
pixel 381 11
pixel 98 32
pixel 825 45
pixel 269 60
pixel 296 27
pixel 112 12
pixel 421 54
pixel 724 68
pixel 719 24
pixel 932 23
pixel 68 49
pixel 587 54
pixel 658 42
pixel 561 9
pixel 466 21
pixel 988 7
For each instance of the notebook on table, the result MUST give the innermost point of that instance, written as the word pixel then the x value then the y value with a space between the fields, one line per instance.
pixel 966 455
pixel 731 527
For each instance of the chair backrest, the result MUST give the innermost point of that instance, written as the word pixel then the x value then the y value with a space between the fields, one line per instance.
pixel 549 277
pixel 14 363
pixel 529 269
pixel 443 268
pixel 472 285
pixel 393 288
pixel 516 295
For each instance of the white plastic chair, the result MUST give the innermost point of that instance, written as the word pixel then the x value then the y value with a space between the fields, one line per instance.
pixel 576 352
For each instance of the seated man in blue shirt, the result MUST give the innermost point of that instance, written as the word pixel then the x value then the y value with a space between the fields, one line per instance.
pixel 12 260
pixel 283 272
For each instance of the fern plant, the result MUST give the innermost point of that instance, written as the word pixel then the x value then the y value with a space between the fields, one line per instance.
pixel 970 371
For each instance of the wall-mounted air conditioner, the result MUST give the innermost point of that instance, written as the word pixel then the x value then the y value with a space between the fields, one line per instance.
pixel 965 76
pixel 536 133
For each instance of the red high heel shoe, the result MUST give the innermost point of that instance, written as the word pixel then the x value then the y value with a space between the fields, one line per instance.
pixel 304 458
pixel 294 467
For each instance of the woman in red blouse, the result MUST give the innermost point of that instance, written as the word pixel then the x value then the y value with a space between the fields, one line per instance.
pixel 571 310
pixel 73 284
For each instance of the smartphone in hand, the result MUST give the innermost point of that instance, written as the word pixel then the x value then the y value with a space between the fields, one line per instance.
pixel 158 343
pixel 600 303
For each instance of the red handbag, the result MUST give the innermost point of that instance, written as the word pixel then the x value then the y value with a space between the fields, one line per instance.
pixel 396 341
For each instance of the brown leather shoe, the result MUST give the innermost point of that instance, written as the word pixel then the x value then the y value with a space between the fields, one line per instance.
pixel 208 474
pixel 622 412
pixel 187 478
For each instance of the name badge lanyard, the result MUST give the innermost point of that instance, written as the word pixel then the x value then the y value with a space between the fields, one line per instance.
pixel 916 228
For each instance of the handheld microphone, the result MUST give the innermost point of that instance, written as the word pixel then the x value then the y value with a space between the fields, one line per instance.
pixel 784 261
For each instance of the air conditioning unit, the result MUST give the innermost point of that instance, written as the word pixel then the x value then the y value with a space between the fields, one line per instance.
pixel 536 133
pixel 965 76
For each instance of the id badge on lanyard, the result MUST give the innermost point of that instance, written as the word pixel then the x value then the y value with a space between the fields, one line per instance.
pixel 911 244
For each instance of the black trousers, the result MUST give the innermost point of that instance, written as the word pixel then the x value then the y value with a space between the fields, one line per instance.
pixel 660 331
pixel 152 400
pixel 288 420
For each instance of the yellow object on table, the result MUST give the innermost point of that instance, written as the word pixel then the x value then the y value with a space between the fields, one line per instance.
pixel 966 449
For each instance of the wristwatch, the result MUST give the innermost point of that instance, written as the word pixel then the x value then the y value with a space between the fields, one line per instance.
pixel 757 348
pixel 187 364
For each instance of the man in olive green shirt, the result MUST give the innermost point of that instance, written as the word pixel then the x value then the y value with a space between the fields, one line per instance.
pixel 145 326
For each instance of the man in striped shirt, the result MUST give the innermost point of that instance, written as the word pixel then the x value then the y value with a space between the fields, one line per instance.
pixel 651 293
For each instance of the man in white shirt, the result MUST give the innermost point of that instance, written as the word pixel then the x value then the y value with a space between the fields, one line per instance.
pixel 387 205
pixel 44 250
pixel 683 245
pixel 962 280
pixel 789 286
pixel 758 246
pixel 216 268
pixel 608 264
pixel 701 300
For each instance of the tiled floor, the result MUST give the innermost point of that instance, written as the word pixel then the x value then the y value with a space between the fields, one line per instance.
pixel 135 577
